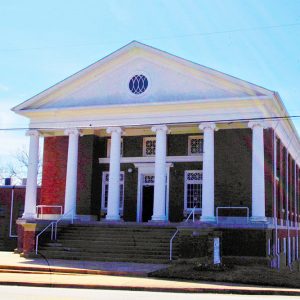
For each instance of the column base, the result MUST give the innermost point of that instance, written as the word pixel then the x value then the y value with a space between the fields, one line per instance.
pixel 258 219
pixel 29 216
pixel 158 219
pixel 115 218
pixel 208 219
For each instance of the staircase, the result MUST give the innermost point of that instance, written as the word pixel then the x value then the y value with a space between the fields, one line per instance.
pixel 122 243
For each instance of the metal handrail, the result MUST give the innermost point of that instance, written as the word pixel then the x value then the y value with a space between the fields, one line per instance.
pixel 38 235
pixel 231 207
pixel 47 206
pixel 53 225
pixel 61 218
pixel 192 213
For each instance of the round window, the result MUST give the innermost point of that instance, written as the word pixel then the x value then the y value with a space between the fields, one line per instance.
pixel 138 84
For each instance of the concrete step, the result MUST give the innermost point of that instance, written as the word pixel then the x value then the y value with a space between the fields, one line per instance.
pixel 104 245
pixel 113 238
pixel 112 243
pixel 104 257
pixel 121 251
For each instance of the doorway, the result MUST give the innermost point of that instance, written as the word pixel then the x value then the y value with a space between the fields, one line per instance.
pixel 148 193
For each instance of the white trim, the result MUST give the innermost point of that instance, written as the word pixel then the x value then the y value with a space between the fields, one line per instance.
pixel 186 209
pixel 104 184
pixel 130 75
pixel 169 103
pixel 145 140
pixel 146 169
pixel 190 137
pixel 151 159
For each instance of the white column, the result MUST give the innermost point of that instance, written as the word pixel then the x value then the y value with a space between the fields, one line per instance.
pixel 113 203
pixel 32 172
pixel 258 171
pixel 159 203
pixel 208 175
pixel 71 178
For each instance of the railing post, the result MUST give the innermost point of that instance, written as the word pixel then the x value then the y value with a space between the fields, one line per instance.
pixel 36 244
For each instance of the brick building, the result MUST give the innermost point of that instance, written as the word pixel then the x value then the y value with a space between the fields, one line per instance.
pixel 142 136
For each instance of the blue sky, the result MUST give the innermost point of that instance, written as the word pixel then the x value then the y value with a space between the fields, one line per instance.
pixel 42 42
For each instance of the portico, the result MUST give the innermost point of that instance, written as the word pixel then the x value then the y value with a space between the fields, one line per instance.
pixel 155 167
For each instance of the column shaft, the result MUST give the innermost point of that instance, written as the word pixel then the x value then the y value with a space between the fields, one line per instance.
pixel 71 178
pixel 32 173
pixel 208 176
pixel 113 204
pixel 159 204
pixel 258 172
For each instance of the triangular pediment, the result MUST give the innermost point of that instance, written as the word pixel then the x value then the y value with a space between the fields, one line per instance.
pixel 169 79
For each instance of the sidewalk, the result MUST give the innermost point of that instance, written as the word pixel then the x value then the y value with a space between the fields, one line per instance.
pixel 10 261
pixel 35 272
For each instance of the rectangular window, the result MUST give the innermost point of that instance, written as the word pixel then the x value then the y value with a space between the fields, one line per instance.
pixel 149 146
pixel 105 182
pixel 193 190
pixel 195 146
pixel 109 145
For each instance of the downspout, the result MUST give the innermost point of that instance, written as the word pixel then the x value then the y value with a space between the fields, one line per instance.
pixel 11 212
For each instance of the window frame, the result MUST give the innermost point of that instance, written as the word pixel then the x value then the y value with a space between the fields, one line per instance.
pixel 190 137
pixel 145 139
pixel 186 182
pixel 105 185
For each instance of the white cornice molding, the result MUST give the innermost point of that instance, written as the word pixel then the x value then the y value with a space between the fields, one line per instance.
pixel 142 104
pixel 151 159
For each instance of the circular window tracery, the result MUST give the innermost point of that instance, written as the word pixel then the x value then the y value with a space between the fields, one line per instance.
pixel 138 84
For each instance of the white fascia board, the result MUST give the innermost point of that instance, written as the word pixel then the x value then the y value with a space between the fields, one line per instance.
pixel 30 112
pixel 148 115
pixel 144 121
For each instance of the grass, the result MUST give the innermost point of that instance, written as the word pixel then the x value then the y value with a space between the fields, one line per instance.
pixel 253 274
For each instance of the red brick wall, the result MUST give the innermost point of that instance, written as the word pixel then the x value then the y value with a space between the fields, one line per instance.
pixel 54 171
pixel 18 209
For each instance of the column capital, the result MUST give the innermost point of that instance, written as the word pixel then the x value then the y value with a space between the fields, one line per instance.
pixel 32 132
pixel 257 123
pixel 110 130
pixel 72 131
pixel 160 128
pixel 207 125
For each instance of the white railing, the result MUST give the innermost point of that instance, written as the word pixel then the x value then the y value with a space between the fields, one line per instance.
pixel 231 207
pixel 40 207
pixel 53 226
pixel 192 213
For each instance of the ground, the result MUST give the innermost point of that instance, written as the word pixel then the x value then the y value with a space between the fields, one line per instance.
pixel 37 293
pixel 260 275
